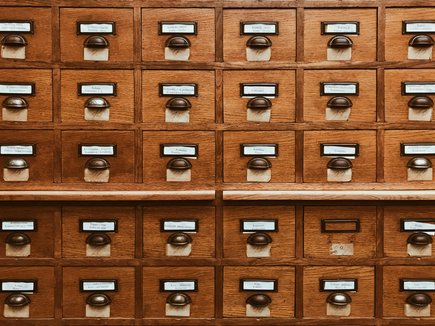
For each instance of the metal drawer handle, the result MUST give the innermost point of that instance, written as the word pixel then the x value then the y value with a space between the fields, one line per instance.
pixel 98 300
pixel 259 163
pixel 339 299
pixel 420 102
pixel 421 41
pixel 97 103
pixel 97 164
pixel 178 299
pixel 259 103
pixel 17 300
pixel 259 239
pixel 14 40
pixel 339 163
pixel 259 300
pixel 419 163
pixel 339 102
pixel 18 239
pixel 178 103
pixel 259 42
pixel 420 239
pixel 16 163
pixel 340 42
pixel 419 299
pixel 16 103
pixel 98 239
pixel 179 164
pixel 177 42
pixel 96 42
pixel 179 239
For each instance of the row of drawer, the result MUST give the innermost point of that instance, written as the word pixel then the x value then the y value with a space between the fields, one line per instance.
pixel 189 34
pixel 188 97
pixel 189 232
pixel 189 292
pixel 188 157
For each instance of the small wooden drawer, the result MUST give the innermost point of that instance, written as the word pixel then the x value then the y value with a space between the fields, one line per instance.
pixel 25 95
pixel 408 155
pixel 179 292
pixel 98 156
pixel 27 156
pixel 340 35
pixel 98 292
pixel 259 291
pixel 339 291
pixel 181 157
pixel 25 34
pixel 98 232
pixel 408 231
pixel 27 231
pixel 259 35
pixel 259 156
pixel 97 96
pixel 339 231
pixel 178 34
pixel 409 291
pixel 259 231
pixel 409 33
pixel 340 95
pixel 27 292
pixel 340 156
pixel 178 96
pixel 410 96
pixel 184 231
pixel 259 96
pixel 97 34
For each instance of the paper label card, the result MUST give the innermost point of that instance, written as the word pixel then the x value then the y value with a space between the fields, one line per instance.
pixel 258 225
pixel 258 89
pixel 418 26
pixel 258 285
pixel 96 28
pixel 22 225
pixel 417 225
pixel 178 89
pixel 413 88
pixel 417 149
pixel 342 150
pixel 17 149
pixel 18 26
pixel 339 285
pixel 349 28
pixel 98 285
pixel 417 285
pixel 98 225
pixel 259 28
pixel 179 225
pixel 348 88
pixel 259 150
pixel 187 150
pixel 19 285
pixel 174 28
pixel 97 150
pixel 96 89
pixel 178 285
pixel 7 88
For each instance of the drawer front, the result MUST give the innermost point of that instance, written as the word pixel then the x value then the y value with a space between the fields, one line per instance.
pixel 328 31
pixel 244 28
pixel 26 95
pixel 259 96
pixel 83 287
pixel 175 96
pixel 98 157
pixel 339 232
pixel 322 148
pixel 98 232
pixel 406 285
pixel 340 95
pixel 259 231
pixel 246 287
pixel 410 95
pixel 408 231
pixel 27 232
pixel 183 157
pixel 324 287
pixel 179 232
pixel 191 287
pixel 96 34
pixel 408 155
pixel 404 29
pixel 97 96
pixel 34 285
pixel 30 38
pixel 263 156
pixel 27 156
pixel 193 29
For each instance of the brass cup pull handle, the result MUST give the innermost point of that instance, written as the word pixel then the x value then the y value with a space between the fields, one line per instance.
pixel 17 300
pixel 421 41
pixel 420 239
pixel 98 300
pixel 419 299
pixel 98 239
pixel 178 299
pixel 340 42
pixel 259 42
pixel 259 103
pixel 16 103
pixel 16 163
pixel 420 102
pixel 177 42
pixel 339 299
pixel 96 42
pixel 178 103
pixel 98 103
pixel 179 239
pixel 419 163
pixel 97 164
pixel 259 163
pixel 14 40
pixel 18 239
pixel 339 102
pixel 179 164
pixel 259 239
pixel 259 300
pixel 339 163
